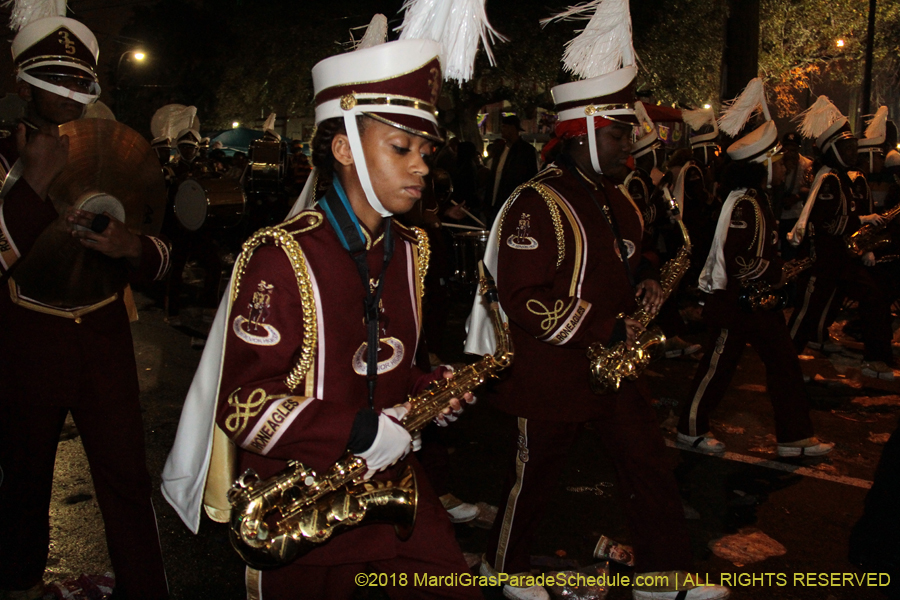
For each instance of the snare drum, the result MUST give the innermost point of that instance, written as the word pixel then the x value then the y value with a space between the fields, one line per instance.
pixel 468 247
pixel 209 201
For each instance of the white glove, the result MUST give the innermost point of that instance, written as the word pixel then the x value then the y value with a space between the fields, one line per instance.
pixel 442 420
pixel 392 442
pixel 868 259
pixel 417 441
pixel 874 219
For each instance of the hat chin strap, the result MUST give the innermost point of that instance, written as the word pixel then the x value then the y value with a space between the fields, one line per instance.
pixel 61 91
pixel 359 158
pixel 592 145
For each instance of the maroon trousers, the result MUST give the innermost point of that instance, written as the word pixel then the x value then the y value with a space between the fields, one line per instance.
pixel 630 434
pixel 113 438
pixel 729 331
pixel 431 550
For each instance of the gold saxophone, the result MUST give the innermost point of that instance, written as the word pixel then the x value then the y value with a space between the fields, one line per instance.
pixel 609 366
pixel 276 520
pixel 870 236
pixel 761 295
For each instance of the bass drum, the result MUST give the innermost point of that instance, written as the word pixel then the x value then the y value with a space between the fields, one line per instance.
pixel 468 248
pixel 211 201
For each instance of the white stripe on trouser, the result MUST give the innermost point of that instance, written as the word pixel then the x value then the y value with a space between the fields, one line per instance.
pixel 821 329
pixel 810 288
pixel 513 499
pixel 253 581
pixel 704 383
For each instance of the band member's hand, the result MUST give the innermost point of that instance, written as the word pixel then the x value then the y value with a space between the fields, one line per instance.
pixel 868 259
pixel 633 331
pixel 44 155
pixel 392 442
pixel 452 412
pixel 873 219
pixel 649 293
pixel 456 212
pixel 114 240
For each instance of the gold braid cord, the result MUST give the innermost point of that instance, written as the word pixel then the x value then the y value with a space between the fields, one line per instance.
pixel 285 240
pixel 551 200
pixel 424 258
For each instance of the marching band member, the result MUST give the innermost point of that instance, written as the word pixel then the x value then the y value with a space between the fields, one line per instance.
pixel 839 202
pixel 56 360
pixel 745 251
pixel 566 247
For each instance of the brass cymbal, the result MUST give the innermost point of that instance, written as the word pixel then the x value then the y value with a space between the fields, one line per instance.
pixel 110 167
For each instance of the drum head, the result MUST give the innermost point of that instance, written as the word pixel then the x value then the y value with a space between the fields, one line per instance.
pixel 191 204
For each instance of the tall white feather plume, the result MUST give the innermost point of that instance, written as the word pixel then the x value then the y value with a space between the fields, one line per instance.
pixel 457 25
pixel 643 118
pixel 604 45
pixel 877 127
pixel 26 11
pixel 376 33
pixel 741 109
pixel 818 117
pixel 270 122
pixel 697 118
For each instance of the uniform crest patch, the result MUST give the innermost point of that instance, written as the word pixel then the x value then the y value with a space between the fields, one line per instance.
pixel 389 364
pixel 629 248
pixel 253 329
pixel 521 239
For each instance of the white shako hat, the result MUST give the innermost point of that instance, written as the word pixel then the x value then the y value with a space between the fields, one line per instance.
pixel 649 141
pixel 603 56
pixel 759 145
pixel 704 128
pixel 189 137
pixel 826 124
pixel 49 43
pixel 269 128
pixel 398 83
pixel 172 120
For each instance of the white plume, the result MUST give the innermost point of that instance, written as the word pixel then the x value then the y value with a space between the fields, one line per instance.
pixel 457 25
pixel 25 12
pixel 697 118
pixel 740 110
pixel 819 117
pixel 269 123
pixel 376 33
pixel 604 45
pixel 877 128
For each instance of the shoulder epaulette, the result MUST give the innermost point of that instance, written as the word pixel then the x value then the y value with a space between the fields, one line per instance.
pixel 304 222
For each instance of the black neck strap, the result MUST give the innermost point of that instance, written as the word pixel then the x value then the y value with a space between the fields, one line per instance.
pixel 338 213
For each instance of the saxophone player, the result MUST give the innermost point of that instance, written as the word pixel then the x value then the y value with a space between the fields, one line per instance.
pixel 324 327
pixel 567 249
pixel 745 251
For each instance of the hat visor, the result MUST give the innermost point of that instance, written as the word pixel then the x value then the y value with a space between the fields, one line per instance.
pixel 61 70
pixel 410 124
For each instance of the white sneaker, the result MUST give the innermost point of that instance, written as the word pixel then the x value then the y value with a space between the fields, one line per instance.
pixel 706 592
pixel 808 447
pixel 675 347
pixel 829 345
pixel 459 511
pixel 877 370
pixel 706 442
pixel 535 592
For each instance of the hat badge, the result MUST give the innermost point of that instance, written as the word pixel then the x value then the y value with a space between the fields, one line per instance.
pixel 348 102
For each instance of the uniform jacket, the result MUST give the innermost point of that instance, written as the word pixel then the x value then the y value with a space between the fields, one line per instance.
pixel 294 366
pixel 562 285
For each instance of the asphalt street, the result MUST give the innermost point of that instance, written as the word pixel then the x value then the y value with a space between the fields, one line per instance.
pixel 785 519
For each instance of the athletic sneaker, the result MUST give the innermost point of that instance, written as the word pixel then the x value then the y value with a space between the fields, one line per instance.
pixel 706 442
pixel 877 369
pixel 808 447
pixel 675 347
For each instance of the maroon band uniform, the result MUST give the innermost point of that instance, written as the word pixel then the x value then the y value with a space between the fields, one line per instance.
pixel 81 362
pixel 294 379
pixel 751 253
pixel 562 284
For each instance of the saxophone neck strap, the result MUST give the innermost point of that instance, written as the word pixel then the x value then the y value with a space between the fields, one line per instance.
pixel 340 215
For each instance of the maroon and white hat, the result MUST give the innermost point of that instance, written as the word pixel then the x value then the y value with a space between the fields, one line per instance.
pixel 876 131
pixel 704 129
pixel 824 122
pixel 649 139
pixel 603 56
pixel 398 83
pixel 49 43
pixel 760 145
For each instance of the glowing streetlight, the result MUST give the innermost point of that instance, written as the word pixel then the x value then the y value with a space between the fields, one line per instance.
pixel 707 106
pixel 139 55
pixel 840 43
pixel 235 124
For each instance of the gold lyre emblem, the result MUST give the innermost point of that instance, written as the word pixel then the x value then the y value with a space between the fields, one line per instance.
pixel 66 41
pixel 435 83
pixel 348 102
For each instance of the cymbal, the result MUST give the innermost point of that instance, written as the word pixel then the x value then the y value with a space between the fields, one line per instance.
pixel 111 167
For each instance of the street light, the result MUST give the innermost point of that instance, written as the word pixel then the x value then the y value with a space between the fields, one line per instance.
pixel 840 43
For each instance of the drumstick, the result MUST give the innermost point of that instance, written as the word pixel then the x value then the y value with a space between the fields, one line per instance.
pixel 476 219
pixel 445 224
